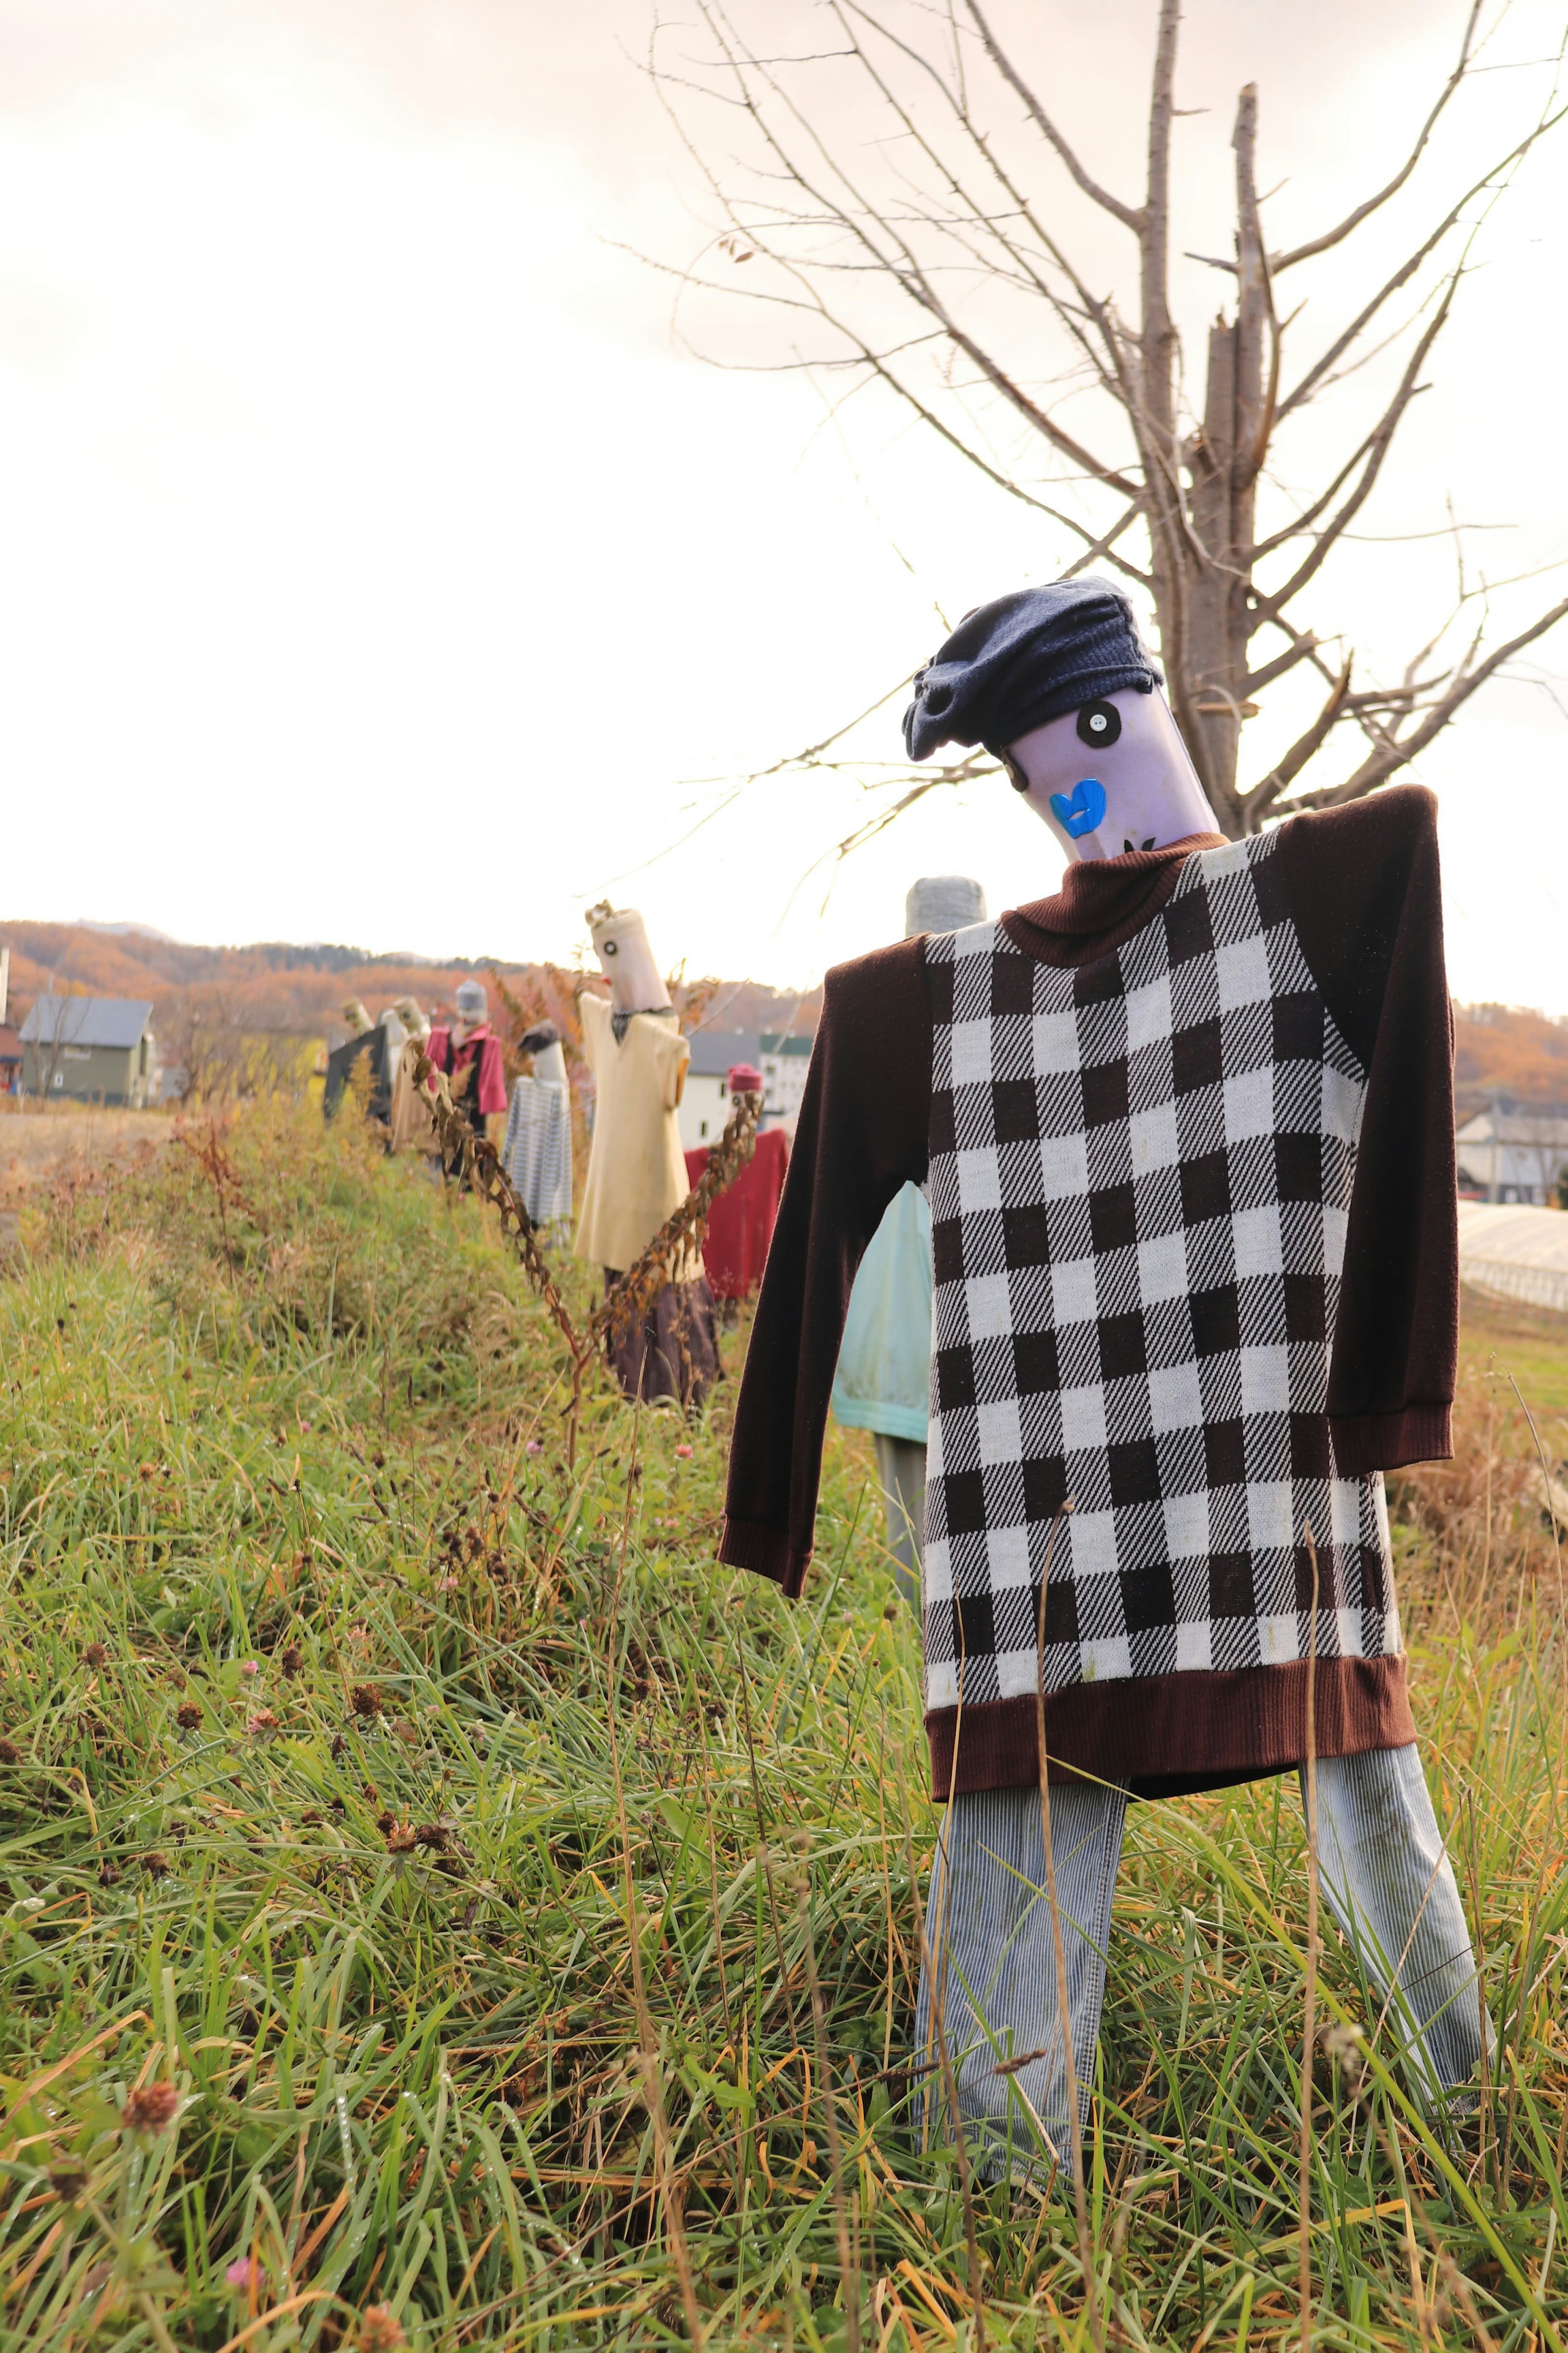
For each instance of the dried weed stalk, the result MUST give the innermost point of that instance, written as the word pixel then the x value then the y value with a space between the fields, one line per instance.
pixel 668 1257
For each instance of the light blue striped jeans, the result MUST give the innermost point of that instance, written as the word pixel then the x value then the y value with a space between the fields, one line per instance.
pixel 1385 1875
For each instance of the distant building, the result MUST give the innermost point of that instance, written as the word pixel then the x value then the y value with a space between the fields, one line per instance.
pixel 705 1103
pixel 784 1062
pixel 705 1098
pixel 1513 1152
pixel 90 1050
pixel 10 1060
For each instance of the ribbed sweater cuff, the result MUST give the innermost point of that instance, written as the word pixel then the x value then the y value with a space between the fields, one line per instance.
pixel 1386 1442
pixel 746 1543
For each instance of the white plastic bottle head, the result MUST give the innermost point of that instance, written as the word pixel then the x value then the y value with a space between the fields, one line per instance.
pixel 621 943
pixel 1112 777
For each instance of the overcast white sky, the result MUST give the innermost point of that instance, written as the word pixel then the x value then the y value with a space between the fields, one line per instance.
pixel 373 565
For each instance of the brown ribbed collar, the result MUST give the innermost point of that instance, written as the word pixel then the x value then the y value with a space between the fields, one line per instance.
pixel 1102 903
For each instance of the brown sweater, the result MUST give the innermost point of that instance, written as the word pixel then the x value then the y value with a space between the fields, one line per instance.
pixel 1362 889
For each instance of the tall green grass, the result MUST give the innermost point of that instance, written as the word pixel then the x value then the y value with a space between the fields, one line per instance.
pixel 351 1741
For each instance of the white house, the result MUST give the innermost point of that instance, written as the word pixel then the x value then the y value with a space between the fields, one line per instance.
pixel 705 1103
pixel 1510 1153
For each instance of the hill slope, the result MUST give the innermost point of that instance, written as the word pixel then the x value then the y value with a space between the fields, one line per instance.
pixel 299 991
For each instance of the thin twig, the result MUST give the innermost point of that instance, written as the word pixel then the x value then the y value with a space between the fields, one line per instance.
pixel 1488 2128
pixel 1064 2013
pixel 1309 2028
pixel 846 2268
pixel 648 2041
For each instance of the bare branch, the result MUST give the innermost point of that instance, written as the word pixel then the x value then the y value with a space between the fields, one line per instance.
pixel 1105 545
pixel 1398 752
pixel 1111 378
pixel 915 282
pixel 1130 216
pixel 1309 515
pixel 1387 425
pixel 810 300
pixel 1262 798
pixel 1373 204
pixel 1302 650
pixel 1408 268
pixel 1253 310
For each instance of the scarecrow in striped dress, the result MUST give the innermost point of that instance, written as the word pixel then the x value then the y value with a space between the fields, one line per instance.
pixel 537 1151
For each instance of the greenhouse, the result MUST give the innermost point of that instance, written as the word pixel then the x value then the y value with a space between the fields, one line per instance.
pixel 1518 1252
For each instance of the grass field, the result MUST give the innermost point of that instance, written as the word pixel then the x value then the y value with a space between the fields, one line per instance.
pixel 440 1904
pixel 33 1136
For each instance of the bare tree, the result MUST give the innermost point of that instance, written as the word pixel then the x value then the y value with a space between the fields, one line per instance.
pixel 892 183
pixel 224 1060
pixel 57 1022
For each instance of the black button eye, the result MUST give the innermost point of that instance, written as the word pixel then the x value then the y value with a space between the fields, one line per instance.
pixel 1099 724
pixel 610 948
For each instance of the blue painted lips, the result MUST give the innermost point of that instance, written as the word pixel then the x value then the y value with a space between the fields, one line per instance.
pixel 1080 811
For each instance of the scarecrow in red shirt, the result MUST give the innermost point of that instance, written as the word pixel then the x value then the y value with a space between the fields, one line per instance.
pixel 468 1054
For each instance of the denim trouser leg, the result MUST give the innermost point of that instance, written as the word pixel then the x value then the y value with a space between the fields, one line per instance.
pixel 1386 1878
pixel 989 1919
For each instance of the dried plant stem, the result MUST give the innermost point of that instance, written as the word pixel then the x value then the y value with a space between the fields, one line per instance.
pixel 648 2041
pixel 847 2269
pixel 1488 2131
pixel 1547 1483
pixel 668 1257
pixel 1310 2025
pixel 1064 2014
pixel 950 2093
pixel 764 1855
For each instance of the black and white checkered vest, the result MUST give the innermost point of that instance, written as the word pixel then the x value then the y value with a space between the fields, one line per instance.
pixel 1140 1181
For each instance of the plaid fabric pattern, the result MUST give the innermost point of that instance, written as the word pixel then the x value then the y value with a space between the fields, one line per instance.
pixel 1140 1182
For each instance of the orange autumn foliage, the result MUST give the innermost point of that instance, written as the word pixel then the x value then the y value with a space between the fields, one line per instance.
pixel 1506 1050
pixel 290 991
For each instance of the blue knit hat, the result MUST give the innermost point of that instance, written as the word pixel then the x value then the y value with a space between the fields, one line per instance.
pixel 1010 666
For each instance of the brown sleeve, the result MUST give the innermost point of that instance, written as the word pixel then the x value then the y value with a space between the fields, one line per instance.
pixel 861 1134
pixel 1366 897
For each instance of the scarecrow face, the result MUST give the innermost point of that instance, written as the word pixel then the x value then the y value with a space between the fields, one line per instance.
pixel 1112 777
pixel 612 935
pixel 626 959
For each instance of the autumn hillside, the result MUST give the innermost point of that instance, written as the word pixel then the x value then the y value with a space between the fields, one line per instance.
pixel 1503 1050
pixel 288 990
pixel 299 992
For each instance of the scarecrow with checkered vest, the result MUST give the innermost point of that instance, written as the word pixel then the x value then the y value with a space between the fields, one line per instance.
pixel 1186 1132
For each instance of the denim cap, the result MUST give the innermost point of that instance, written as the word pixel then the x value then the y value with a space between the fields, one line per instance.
pixel 1010 666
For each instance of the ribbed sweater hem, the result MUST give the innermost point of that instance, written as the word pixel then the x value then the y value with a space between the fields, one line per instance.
pixel 1167 1735
pixel 1386 1442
